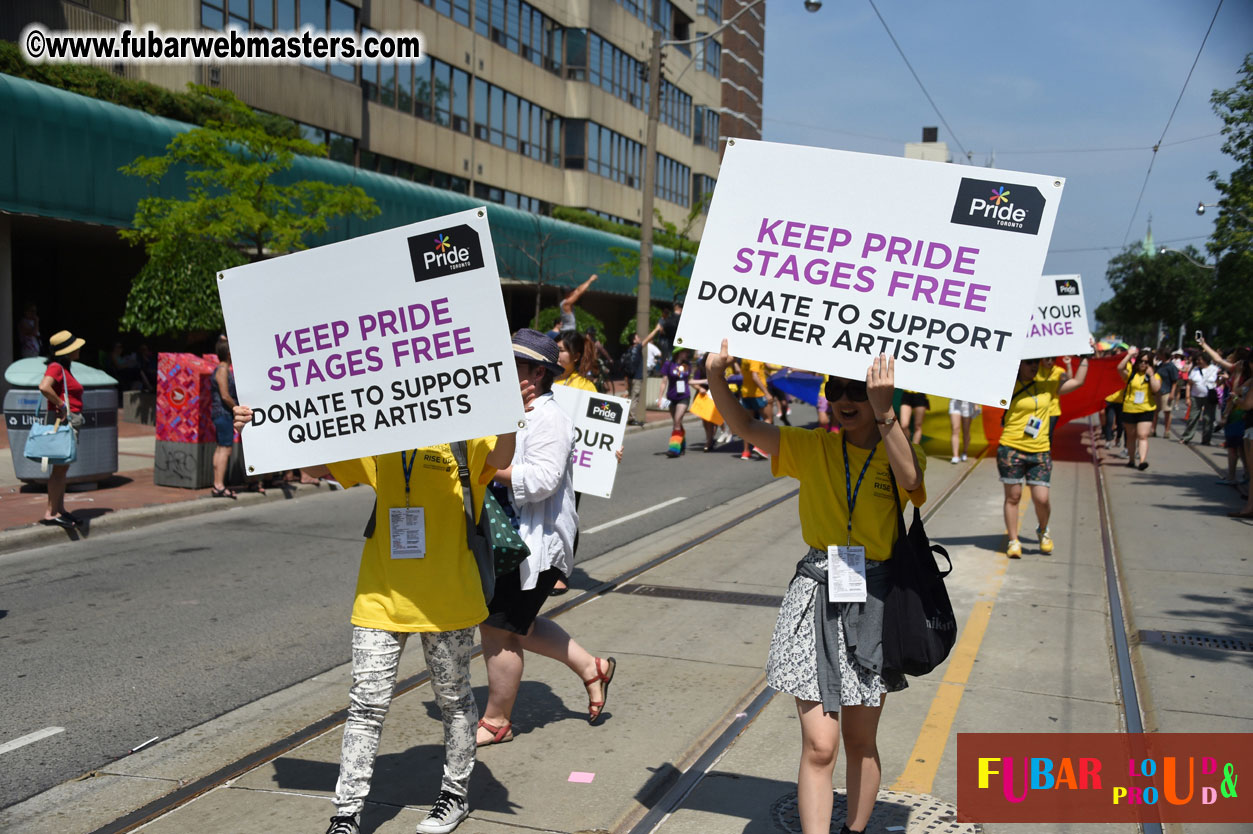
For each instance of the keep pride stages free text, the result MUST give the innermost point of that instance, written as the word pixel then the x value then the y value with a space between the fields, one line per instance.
pixel 318 353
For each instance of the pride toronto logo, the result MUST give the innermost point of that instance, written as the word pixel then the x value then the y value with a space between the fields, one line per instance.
pixel 999 205
pixel 604 410
pixel 436 254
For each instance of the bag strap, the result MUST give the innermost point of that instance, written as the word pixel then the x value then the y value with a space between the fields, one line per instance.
pixel 900 523
pixel 467 495
pixel 1022 390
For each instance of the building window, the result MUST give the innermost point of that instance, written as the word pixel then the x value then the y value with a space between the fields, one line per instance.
pixel 676 108
pixel 286 15
pixel 339 147
pixel 705 125
pixel 711 9
pixel 520 28
pixel 709 55
pixel 515 124
pixel 510 198
pixel 603 152
pixel 674 180
pixel 702 187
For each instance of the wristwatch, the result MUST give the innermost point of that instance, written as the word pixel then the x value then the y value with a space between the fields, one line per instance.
pixel 888 421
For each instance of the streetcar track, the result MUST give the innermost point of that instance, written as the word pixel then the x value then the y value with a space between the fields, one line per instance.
pixel 684 782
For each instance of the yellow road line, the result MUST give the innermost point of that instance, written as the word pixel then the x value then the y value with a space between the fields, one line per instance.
pixel 924 759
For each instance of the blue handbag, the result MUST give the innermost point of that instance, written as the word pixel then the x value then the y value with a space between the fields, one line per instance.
pixel 55 443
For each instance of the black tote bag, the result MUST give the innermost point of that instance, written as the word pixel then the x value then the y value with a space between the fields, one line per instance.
pixel 919 628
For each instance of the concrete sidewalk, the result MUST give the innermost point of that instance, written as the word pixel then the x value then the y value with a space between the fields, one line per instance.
pixel 1033 655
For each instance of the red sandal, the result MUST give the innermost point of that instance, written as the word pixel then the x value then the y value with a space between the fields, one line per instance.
pixel 595 708
pixel 500 734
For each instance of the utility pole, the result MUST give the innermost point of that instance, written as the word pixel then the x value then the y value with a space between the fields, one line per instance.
pixel 643 301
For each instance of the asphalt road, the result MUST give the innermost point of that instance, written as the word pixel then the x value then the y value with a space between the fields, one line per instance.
pixel 146 633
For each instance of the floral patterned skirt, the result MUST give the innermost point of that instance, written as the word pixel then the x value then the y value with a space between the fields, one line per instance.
pixel 792 666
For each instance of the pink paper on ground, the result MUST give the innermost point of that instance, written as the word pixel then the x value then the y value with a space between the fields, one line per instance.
pixel 580 776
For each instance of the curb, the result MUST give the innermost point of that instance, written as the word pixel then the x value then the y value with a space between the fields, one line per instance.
pixel 25 538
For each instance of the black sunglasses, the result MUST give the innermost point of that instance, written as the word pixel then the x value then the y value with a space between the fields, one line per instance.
pixel 855 390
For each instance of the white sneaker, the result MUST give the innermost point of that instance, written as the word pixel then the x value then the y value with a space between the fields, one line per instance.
pixel 445 815
pixel 955 460
pixel 963 458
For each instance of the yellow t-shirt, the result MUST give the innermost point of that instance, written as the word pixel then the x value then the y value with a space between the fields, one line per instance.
pixel 816 459
pixel 1032 398
pixel 1138 389
pixel 442 591
pixel 577 380
pixel 1054 374
pixel 749 387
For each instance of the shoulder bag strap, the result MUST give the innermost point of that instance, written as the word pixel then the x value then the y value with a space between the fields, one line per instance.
pixel 467 494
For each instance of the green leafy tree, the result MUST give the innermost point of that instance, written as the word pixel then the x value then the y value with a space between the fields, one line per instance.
pixel 669 271
pixel 235 212
pixel 1152 290
pixel 1229 309
pixel 548 318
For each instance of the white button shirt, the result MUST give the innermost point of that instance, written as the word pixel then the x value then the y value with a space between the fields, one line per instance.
pixel 543 490
pixel 1203 380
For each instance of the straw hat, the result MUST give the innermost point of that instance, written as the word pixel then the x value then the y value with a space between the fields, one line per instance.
pixel 63 343
pixel 535 347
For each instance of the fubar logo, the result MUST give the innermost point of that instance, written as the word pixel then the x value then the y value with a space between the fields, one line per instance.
pixel 999 205
pixel 605 410
pixel 1067 286
pixel 435 255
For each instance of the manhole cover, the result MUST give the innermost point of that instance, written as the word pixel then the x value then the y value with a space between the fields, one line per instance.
pixel 908 813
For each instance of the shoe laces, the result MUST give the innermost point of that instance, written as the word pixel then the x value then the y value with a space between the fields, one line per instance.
pixel 343 825
pixel 444 804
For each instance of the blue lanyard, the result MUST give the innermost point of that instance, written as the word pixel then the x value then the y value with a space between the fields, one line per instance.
pixel 848 481
pixel 406 466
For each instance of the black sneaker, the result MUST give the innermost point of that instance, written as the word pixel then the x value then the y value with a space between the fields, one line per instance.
pixel 344 825
pixel 446 814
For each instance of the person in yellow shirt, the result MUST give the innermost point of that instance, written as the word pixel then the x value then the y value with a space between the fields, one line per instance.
pixel 1025 451
pixel 1139 403
pixel 756 397
pixel 1050 370
pixel 839 682
pixel 426 584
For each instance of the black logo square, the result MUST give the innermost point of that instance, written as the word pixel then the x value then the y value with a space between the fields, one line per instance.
pixel 999 205
pixel 436 254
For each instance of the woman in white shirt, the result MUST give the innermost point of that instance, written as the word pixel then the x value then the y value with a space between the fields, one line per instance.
pixel 540 484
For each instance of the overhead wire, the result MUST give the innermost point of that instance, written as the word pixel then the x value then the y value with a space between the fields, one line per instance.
pixel 1158 145
pixel 921 86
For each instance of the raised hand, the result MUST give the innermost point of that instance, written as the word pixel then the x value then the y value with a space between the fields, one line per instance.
pixel 242 415
pixel 880 384
pixel 716 364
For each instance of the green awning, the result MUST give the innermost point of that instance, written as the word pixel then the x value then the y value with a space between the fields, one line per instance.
pixel 60 153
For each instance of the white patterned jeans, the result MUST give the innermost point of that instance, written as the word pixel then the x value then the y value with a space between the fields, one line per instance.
pixel 375 659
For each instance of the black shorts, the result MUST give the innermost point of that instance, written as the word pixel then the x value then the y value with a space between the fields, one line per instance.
pixel 915 400
pixel 1138 417
pixel 513 609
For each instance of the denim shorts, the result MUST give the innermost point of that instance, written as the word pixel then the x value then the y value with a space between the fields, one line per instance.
pixel 224 425
pixel 1015 466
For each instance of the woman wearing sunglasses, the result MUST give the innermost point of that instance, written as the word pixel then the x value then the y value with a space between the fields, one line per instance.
pixel 828 655
pixel 1025 452
pixel 1139 403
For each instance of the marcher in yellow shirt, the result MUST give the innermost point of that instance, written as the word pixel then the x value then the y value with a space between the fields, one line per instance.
pixel 755 397
pixel 841 523
pixel 1050 370
pixel 424 580
pixel 1139 403
pixel 1025 451
pixel 577 362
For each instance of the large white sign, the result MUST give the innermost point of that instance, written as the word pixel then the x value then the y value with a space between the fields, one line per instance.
pixel 1059 319
pixel 381 343
pixel 821 260
pixel 599 426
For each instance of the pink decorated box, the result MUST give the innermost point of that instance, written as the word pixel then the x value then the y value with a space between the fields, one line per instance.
pixel 183 381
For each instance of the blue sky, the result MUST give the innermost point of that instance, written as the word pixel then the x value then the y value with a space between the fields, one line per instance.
pixel 1017 78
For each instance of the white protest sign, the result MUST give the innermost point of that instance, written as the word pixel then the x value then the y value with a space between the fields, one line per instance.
pixel 1059 319
pixel 822 259
pixel 599 426
pixel 381 343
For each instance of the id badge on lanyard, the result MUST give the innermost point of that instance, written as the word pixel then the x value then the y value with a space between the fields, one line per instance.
pixel 846 566
pixel 407 524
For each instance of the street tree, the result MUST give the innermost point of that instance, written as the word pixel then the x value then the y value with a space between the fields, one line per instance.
pixel 236 211
pixel 626 262
pixel 1153 290
pixel 1231 243
pixel 544 250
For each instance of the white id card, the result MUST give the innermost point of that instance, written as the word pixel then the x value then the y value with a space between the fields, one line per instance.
pixel 1033 426
pixel 680 387
pixel 846 574
pixel 408 526
pixel 1140 398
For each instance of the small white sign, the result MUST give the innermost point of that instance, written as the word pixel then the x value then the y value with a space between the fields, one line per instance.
pixel 821 260
pixel 381 343
pixel 1059 319
pixel 599 426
